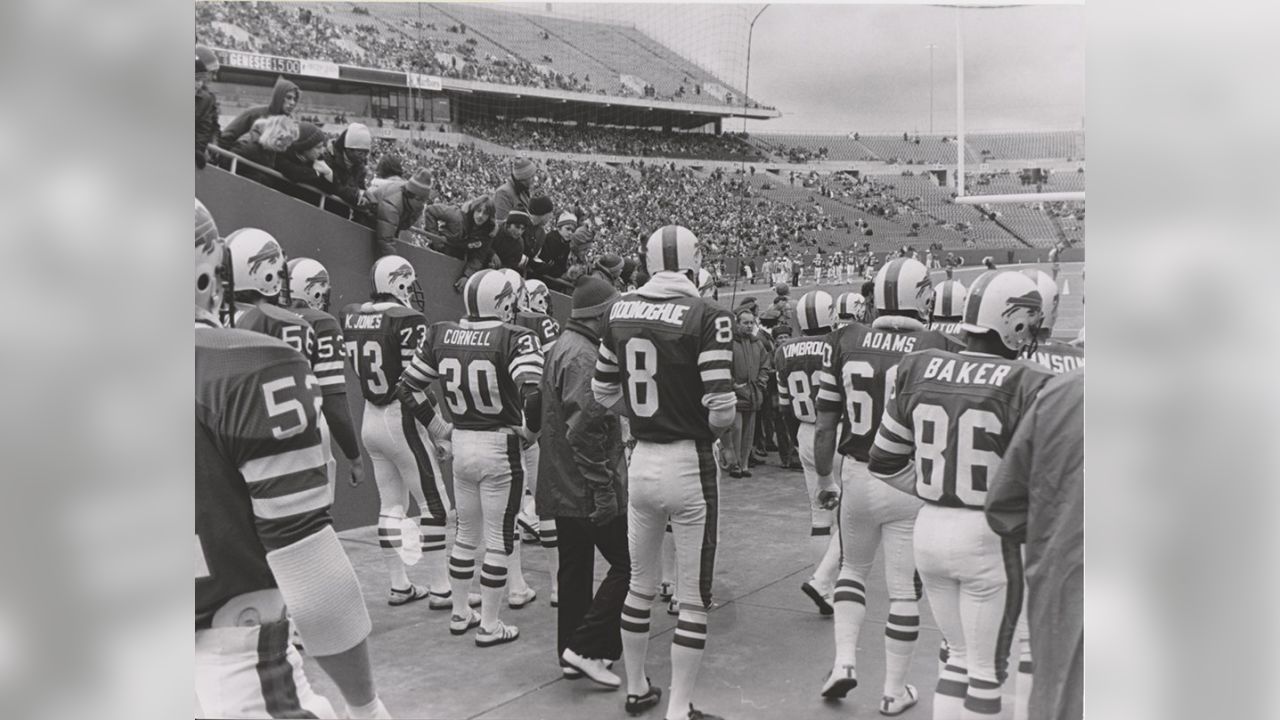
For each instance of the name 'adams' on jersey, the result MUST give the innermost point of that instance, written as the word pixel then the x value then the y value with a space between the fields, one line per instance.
pixel 380 341
pixel 481 366
pixel 329 365
pixel 260 472
pixel 953 415
pixel 668 355
pixel 858 372
pixel 798 362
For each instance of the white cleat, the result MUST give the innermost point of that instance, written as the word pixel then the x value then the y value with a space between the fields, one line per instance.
pixel 898 705
pixel 840 682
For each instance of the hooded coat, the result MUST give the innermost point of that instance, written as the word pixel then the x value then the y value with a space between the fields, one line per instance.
pixel 244 121
pixel 207 129
pixel 396 211
pixel 349 174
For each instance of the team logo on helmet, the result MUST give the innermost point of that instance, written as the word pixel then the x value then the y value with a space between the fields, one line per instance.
pixel 507 291
pixel 321 278
pixel 270 253
pixel 1029 302
pixel 404 272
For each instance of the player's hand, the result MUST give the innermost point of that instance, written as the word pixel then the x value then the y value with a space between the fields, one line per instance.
pixel 457 284
pixel 828 497
pixel 357 473
pixel 527 437
pixel 444 450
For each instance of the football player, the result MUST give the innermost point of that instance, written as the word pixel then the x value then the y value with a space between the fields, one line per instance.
pixel 850 308
pixel 858 369
pixel 490 372
pixel 381 337
pixel 532 300
pixel 264 538
pixel 309 298
pixel 799 361
pixel 943 434
pixel 948 306
pixel 665 362
pixel 1056 355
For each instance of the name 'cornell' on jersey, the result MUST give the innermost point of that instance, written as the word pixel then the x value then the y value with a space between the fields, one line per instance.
pixel 481 364
pixel 858 373
pixel 953 414
pixel 670 356
pixel 381 339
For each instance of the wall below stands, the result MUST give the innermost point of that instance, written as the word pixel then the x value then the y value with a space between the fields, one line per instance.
pixel 347 250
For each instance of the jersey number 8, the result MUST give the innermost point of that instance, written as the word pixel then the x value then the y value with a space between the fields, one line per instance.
pixel 641 358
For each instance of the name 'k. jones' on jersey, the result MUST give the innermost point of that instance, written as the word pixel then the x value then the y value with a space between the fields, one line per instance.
pixel 858 370
pixel 260 473
pixel 953 414
pixel 667 355
pixel 481 365
pixel 381 339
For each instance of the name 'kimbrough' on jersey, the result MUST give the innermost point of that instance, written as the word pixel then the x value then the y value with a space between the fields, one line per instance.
pixel 670 314
pixel 805 347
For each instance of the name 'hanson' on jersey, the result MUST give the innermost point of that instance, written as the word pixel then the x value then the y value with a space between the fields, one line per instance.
pixel 953 414
pixel 668 355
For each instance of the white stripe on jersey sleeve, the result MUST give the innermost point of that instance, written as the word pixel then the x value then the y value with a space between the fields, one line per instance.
pixel 606 355
pixel 708 356
pixel 331 366
pixel 905 433
pixel 326 380
pixel 283 463
pixel 891 447
pixel 303 501
pixel 713 375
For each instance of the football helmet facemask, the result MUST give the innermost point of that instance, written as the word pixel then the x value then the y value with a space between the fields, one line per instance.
pixel 537 297
pixel 257 262
pixel 489 295
pixel 212 273
pixel 309 283
pixel 394 276
pixel 1049 296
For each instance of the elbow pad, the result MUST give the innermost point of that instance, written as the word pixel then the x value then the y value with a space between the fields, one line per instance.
pixel 532 407
pixel 322 593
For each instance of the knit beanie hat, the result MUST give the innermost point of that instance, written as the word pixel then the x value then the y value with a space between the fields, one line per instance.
pixel 519 217
pixel 420 183
pixel 358 137
pixel 591 297
pixel 611 263
pixel 309 136
pixel 540 205
pixel 389 166
pixel 567 217
pixel 522 169
pixel 207 59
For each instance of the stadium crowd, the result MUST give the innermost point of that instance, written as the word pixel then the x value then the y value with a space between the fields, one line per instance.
pixel 633 142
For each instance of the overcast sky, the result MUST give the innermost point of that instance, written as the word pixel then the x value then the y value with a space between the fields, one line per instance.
pixel 841 68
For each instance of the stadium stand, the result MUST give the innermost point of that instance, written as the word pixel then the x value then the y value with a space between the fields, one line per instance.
pixel 633 142
pixel 1063 145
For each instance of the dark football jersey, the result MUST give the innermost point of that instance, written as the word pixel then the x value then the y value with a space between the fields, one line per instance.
pixel 481 366
pixel 953 415
pixel 331 355
pixel 857 375
pixel 279 323
pixel 544 326
pixel 947 327
pixel 1058 356
pixel 260 472
pixel 798 362
pixel 380 340
pixel 667 355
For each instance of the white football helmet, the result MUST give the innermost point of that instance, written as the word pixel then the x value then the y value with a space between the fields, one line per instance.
pixel 394 276
pixel 489 295
pixel 1004 302
pixel 948 299
pixel 674 248
pixel 1048 288
pixel 903 285
pixel 309 282
pixel 257 262
pixel 211 267
pixel 851 306
pixel 813 312
pixel 517 282
pixel 537 297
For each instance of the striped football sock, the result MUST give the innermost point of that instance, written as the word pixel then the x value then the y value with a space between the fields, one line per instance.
pixel 900 635
pixel 850 605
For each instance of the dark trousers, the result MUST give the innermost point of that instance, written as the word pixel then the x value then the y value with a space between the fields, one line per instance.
pixel 590 626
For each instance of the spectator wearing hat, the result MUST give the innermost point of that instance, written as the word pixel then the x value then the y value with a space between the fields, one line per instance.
pixel 284 98
pixel 583 486
pixel 348 154
pixel 207 129
pixel 515 194
pixel 508 242
pixel 560 243
pixel 389 169
pixel 301 163
pixel 609 267
pixel 397 206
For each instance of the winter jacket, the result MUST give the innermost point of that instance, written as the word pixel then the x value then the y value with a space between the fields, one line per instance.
pixel 244 121
pixel 552 259
pixel 751 367
pixel 250 149
pixel 582 459
pixel 349 175
pixel 395 211
pixel 206 122
pixel 462 236
pixel 511 196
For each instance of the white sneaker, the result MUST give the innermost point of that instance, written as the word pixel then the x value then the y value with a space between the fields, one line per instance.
pixel 517 600
pixel 900 704
pixel 460 624
pixel 840 682
pixel 592 668
pixel 497 635
pixel 673 607
pixel 666 590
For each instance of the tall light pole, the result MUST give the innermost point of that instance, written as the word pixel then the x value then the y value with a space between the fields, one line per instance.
pixel 931 47
pixel 746 86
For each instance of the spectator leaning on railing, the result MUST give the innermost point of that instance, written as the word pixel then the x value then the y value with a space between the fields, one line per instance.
pixel 302 163
pixel 207 129
pixel 397 206
pixel 267 140
pixel 515 193
pixel 284 98
pixel 347 155
pixel 463 227
pixel 389 169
